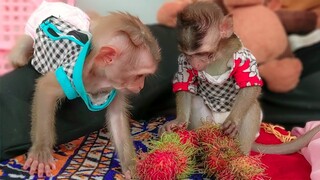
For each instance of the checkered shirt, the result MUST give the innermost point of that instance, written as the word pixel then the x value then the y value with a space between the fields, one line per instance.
pixel 61 47
pixel 49 55
pixel 218 92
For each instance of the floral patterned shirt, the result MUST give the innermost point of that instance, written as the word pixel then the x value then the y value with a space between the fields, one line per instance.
pixel 219 92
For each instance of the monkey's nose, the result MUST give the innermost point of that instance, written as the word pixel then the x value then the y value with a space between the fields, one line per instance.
pixel 198 68
pixel 196 65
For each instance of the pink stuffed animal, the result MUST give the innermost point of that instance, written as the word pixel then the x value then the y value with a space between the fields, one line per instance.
pixel 262 32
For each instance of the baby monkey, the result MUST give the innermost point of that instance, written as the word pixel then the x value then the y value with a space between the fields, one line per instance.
pixel 101 60
pixel 218 79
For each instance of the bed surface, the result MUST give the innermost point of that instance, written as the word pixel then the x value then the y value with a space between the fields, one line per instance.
pixel 93 156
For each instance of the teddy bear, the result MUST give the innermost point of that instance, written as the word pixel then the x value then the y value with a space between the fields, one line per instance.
pixel 298 17
pixel 167 13
pixel 260 30
pixel 304 6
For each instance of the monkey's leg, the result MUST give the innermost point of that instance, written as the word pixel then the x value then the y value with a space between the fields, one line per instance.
pixel 199 112
pixel 249 128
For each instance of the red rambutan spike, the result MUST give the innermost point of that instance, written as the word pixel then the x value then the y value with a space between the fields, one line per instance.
pixel 247 167
pixel 168 159
pixel 188 136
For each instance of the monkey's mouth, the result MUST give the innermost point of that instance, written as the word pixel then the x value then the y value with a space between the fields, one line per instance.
pixel 99 97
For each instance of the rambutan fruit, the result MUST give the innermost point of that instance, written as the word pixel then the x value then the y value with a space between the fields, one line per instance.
pixel 167 159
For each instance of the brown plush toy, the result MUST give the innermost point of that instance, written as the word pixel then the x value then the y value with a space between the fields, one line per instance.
pixel 309 6
pixel 167 14
pixel 298 17
pixel 261 31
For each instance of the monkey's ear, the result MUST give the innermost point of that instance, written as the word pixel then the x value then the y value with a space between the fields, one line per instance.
pixel 106 55
pixel 226 26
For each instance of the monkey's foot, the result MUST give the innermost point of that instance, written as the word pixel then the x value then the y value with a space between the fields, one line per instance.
pixel 41 162
pixel 18 63
pixel 18 58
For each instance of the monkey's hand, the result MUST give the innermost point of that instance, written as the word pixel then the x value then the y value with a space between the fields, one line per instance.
pixel 41 161
pixel 172 125
pixel 230 126
pixel 130 172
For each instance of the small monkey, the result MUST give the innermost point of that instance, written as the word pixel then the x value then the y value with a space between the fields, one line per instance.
pixel 101 60
pixel 218 79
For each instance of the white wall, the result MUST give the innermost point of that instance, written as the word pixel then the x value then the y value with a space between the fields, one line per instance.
pixel 146 10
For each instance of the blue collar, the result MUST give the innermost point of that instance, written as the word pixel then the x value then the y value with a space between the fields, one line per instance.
pixel 76 89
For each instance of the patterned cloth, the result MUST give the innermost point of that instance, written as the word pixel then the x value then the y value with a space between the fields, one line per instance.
pixel 61 42
pixel 61 47
pixel 218 92
pixel 65 12
pixel 89 157
pixel 93 156
pixel 57 43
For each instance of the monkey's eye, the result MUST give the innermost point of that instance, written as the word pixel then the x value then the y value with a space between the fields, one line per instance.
pixel 210 55
pixel 188 57
pixel 204 56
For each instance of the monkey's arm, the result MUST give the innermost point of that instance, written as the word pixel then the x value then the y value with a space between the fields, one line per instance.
pixel 22 51
pixel 47 93
pixel 243 102
pixel 183 101
pixel 183 109
pixel 117 116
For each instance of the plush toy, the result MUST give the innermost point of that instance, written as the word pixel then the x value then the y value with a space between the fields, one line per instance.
pixel 261 31
pixel 307 6
pixel 167 14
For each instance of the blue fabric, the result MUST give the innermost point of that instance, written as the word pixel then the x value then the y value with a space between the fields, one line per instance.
pixel 65 84
pixel 76 88
pixel 77 80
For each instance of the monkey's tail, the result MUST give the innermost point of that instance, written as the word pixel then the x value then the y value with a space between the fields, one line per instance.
pixel 289 147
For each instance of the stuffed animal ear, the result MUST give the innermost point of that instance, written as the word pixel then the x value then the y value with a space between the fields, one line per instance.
pixel 226 26
pixel 106 55
pixel 237 3
pixel 274 5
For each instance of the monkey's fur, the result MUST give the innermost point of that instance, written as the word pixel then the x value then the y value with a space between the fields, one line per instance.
pixel 122 55
pixel 202 26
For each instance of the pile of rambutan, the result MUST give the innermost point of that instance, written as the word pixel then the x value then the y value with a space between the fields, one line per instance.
pixel 173 156
pixel 222 157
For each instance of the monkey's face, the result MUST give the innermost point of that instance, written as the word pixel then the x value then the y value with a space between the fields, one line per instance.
pixel 206 53
pixel 129 77
pixel 199 61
